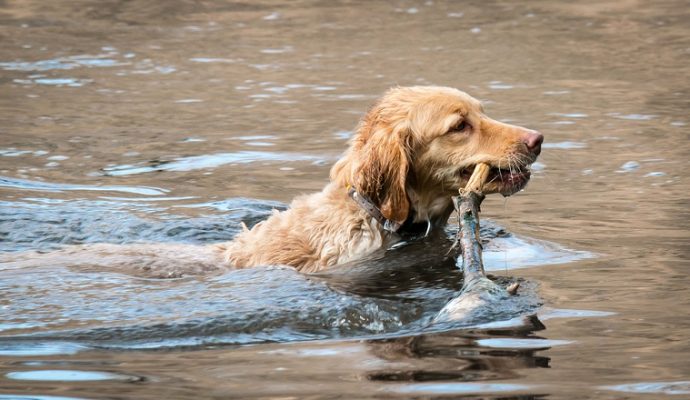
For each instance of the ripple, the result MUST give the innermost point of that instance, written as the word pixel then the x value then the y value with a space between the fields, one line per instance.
pixel 147 66
pixel 673 388
pixel 573 313
pixel 72 82
pixel 63 63
pixel 191 139
pixel 238 307
pixel 13 152
pixel 67 375
pixel 256 137
pixel 212 60
pixel 36 397
pixel 240 203
pixel 564 145
pixel 272 17
pixel 25 184
pixel 276 89
pixel 31 349
pixel 496 85
pixel 512 343
pixel 570 115
pixel 449 388
pixel 655 174
pixel 629 166
pixel 184 101
pixel 149 199
pixel 281 50
pixel 45 224
pixel 633 117
pixel 265 67
pixel 527 252
pixel 344 134
pixel 538 167
pixel 208 161
pixel 353 97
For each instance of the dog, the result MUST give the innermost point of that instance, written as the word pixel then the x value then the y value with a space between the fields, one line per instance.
pixel 412 151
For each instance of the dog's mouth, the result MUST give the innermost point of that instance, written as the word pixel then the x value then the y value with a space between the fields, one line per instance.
pixel 503 181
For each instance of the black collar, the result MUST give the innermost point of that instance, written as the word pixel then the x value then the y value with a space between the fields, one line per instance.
pixel 408 230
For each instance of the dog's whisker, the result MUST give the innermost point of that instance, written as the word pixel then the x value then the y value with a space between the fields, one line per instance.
pixel 510 166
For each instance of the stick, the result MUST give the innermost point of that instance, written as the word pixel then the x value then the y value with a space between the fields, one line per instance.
pixel 467 205
pixel 478 178
pixel 478 292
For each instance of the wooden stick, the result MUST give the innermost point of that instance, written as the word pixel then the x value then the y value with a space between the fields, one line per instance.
pixel 467 204
pixel 478 178
pixel 470 258
pixel 478 292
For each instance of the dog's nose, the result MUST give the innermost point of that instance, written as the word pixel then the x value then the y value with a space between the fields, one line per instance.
pixel 533 140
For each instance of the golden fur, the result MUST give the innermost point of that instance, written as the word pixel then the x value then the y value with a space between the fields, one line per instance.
pixel 411 152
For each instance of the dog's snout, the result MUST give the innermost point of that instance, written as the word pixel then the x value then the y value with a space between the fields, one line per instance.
pixel 533 140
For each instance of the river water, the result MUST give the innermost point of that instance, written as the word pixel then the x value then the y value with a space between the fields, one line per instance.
pixel 173 121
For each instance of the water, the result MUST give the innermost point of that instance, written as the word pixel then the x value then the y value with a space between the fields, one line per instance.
pixel 171 122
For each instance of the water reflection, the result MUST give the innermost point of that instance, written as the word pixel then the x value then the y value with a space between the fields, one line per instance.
pixel 457 363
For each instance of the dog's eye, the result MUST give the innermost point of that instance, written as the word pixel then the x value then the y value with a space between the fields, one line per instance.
pixel 461 127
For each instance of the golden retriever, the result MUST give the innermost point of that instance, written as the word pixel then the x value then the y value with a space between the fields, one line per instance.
pixel 411 152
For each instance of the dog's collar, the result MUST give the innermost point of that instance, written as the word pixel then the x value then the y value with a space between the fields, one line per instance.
pixel 407 230
pixel 367 205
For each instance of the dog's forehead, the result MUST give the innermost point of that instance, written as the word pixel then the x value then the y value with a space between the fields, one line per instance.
pixel 448 99
pixel 462 102
pixel 439 101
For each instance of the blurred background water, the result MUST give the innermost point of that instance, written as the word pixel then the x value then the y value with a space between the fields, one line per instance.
pixel 173 121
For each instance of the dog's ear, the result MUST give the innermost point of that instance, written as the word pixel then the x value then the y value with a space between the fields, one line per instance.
pixel 381 152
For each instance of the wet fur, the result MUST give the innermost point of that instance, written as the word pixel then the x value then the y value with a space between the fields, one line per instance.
pixel 408 156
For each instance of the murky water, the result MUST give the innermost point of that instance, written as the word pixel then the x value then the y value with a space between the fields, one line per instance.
pixel 172 121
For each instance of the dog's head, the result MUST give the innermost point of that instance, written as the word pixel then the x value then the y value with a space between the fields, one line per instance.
pixel 418 145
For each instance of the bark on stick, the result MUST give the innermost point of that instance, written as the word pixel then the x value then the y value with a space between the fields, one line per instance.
pixel 479 295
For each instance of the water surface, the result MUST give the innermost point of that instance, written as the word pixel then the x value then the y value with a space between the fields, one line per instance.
pixel 171 122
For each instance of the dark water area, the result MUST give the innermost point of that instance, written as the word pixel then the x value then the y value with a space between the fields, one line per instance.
pixel 171 122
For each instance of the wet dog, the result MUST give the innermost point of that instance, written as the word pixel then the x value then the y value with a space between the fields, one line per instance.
pixel 411 152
